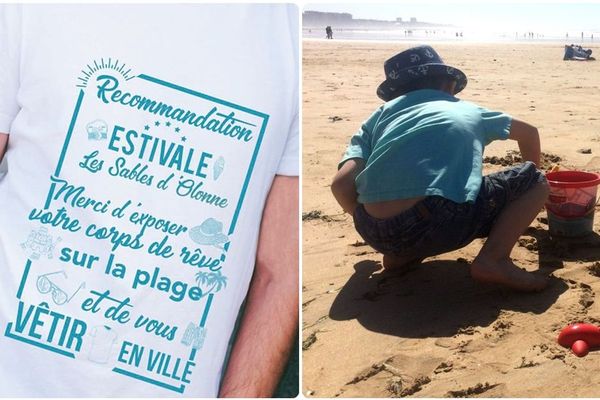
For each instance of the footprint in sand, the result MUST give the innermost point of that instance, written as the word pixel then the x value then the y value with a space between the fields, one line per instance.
pixel 500 329
pixel 594 269
pixel 577 311
pixel 444 367
pixel 553 352
pixel 469 330
pixel 309 341
pixel 397 390
pixel 318 215
pixel 586 298
pixel 502 326
pixel 474 390
pixel 530 244
pixel 527 364
pixel 367 373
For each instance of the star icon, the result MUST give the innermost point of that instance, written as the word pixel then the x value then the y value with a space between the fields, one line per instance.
pixel 183 138
pixel 177 130
pixel 157 123
pixel 146 128
pixel 167 123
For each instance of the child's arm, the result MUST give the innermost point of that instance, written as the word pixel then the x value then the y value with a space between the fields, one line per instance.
pixel 528 138
pixel 3 144
pixel 343 186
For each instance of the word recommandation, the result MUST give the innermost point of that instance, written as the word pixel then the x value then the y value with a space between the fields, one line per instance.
pixel 226 125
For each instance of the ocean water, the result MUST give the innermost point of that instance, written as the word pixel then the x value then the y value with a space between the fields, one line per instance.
pixel 454 34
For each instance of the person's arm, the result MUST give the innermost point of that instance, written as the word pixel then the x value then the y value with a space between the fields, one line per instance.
pixel 3 144
pixel 270 320
pixel 343 186
pixel 528 138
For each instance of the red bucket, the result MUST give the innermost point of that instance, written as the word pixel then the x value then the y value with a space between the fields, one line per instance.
pixel 571 202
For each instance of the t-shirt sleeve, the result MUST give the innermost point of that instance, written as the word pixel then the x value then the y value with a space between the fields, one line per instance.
pixel 361 142
pixel 10 38
pixel 496 125
pixel 289 165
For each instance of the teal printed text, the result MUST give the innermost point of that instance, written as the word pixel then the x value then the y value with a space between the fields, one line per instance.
pixel 137 173
pixel 157 150
pixel 147 220
pixel 155 362
pixel 224 124
pixel 158 328
pixel 75 196
pixel 59 219
pixel 195 258
pixel 41 324
pixel 78 258
pixel 91 163
pixel 117 311
pixel 116 237
pixel 192 189
pixel 177 290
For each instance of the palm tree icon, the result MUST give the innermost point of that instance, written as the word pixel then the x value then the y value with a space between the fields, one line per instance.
pixel 215 280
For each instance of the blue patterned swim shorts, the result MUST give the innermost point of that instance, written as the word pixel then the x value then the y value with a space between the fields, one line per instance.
pixel 437 225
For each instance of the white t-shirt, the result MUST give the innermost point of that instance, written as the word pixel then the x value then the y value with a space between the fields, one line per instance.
pixel 143 143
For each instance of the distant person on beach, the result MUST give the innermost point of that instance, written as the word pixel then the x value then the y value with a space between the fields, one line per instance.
pixel 329 32
pixel 412 174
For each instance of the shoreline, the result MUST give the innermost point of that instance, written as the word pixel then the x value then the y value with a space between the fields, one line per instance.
pixel 412 41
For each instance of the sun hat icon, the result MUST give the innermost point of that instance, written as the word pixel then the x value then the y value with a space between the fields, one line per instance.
pixel 209 232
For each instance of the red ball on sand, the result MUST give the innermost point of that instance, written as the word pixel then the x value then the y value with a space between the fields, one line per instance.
pixel 580 348
pixel 580 338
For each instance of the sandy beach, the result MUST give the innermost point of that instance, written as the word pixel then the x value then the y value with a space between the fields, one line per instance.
pixel 434 332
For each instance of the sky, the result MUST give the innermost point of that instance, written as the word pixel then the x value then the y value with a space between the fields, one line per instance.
pixel 486 15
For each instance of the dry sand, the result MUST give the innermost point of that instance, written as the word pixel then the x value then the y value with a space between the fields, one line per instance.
pixel 434 332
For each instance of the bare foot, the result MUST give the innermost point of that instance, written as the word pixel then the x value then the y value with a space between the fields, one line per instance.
pixel 396 263
pixel 508 274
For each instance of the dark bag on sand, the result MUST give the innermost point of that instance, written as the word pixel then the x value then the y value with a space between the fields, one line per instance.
pixel 577 53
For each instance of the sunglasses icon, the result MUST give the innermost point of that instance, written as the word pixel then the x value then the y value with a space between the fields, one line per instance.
pixel 59 297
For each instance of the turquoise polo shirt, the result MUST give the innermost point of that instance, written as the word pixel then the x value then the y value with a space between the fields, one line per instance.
pixel 425 143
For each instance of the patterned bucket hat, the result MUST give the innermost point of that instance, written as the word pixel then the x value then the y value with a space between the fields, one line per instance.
pixel 416 62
